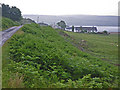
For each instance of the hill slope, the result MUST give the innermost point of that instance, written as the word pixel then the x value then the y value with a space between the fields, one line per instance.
pixel 43 59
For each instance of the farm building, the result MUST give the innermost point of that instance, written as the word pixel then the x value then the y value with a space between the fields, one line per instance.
pixel 80 29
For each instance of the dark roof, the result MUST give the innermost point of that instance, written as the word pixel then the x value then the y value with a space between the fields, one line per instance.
pixel 69 28
pixel 84 28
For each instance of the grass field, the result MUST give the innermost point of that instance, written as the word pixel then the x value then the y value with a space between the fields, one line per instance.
pixel 102 46
pixel 41 57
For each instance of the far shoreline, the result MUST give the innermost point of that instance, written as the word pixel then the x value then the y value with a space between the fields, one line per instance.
pixel 114 32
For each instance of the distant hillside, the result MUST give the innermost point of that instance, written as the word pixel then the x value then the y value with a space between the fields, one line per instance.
pixel 83 20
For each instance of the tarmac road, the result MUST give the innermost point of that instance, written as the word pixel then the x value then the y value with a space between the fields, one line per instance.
pixel 6 34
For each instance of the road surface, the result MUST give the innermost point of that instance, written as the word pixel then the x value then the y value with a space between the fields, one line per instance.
pixel 6 34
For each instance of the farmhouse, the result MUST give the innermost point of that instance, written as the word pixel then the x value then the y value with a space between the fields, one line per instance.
pixel 80 29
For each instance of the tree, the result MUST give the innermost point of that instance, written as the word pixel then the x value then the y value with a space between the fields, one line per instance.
pixel 105 32
pixel 62 24
pixel 72 28
pixel 5 10
pixel 13 13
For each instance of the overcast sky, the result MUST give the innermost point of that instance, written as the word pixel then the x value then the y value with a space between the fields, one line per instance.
pixel 65 7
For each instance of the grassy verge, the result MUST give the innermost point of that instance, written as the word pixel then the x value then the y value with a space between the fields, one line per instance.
pixel 40 58
pixel 9 78
pixel 7 23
